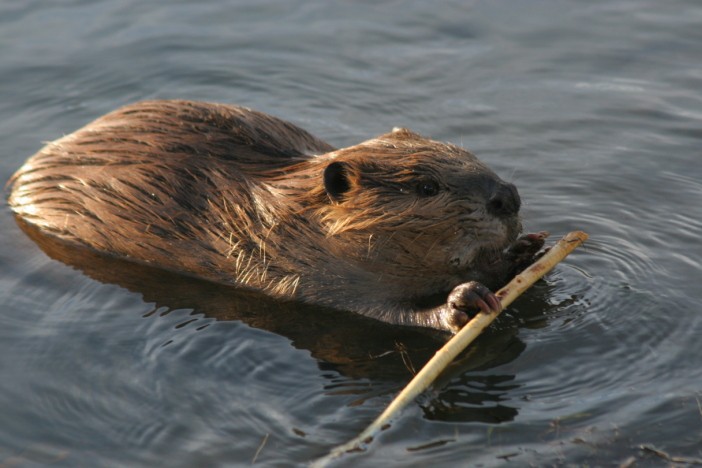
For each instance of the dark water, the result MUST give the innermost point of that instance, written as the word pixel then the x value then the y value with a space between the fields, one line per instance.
pixel 594 109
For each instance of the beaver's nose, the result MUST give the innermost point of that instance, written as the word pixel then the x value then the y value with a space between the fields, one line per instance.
pixel 504 201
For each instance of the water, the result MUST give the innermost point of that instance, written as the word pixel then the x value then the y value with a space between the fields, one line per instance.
pixel 592 108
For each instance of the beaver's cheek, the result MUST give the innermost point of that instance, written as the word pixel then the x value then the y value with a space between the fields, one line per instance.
pixel 460 259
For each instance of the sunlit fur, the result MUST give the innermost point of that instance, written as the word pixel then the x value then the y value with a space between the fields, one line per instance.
pixel 238 197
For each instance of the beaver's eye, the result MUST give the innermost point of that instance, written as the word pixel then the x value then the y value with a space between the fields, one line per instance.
pixel 427 188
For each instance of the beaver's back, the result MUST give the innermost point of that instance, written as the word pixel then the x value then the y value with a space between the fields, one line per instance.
pixel 141 182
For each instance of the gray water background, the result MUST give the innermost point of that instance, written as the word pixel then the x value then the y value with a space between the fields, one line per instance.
pixel 592 108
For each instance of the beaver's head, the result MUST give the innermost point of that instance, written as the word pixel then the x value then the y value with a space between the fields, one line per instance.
pixel 403 203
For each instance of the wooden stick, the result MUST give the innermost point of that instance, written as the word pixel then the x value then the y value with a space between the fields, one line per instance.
pixel 459 342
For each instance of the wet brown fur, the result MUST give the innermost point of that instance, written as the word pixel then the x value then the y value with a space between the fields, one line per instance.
pixel 239 197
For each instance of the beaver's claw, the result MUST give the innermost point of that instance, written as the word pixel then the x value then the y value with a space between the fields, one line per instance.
pixel 466 300
pixel 525 249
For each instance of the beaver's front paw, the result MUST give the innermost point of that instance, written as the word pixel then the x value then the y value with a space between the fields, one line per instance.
pixel 523 252
pixel 466 300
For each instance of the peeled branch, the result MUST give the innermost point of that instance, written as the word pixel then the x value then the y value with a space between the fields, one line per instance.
pixel 460 341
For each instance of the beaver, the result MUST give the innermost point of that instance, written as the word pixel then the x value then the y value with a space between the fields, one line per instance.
pixel 399 228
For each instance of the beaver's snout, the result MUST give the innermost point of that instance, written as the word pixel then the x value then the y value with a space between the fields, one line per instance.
pixel 504 201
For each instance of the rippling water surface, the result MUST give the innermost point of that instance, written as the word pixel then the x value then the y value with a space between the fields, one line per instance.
pixel 594 110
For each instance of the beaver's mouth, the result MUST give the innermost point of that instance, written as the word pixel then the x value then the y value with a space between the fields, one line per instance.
pixel 482 252
pixel 483 256
pixel 512 229
pixel 490 256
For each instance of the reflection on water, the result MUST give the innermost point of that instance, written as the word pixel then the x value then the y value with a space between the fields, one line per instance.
pixel 592 109
pixel 349 344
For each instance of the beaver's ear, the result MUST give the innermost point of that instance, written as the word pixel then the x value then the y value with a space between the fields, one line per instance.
pixel 336 180
pixel 405 134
